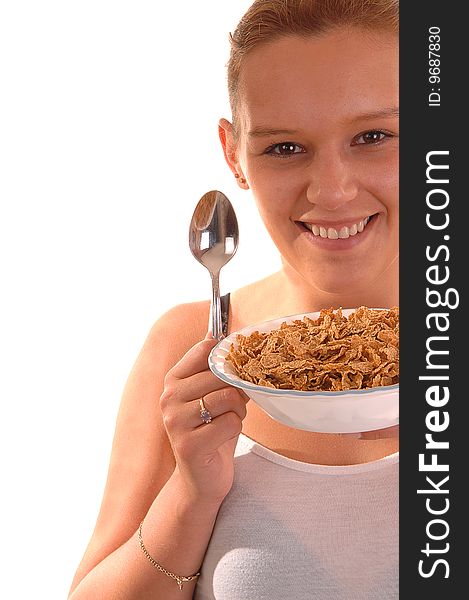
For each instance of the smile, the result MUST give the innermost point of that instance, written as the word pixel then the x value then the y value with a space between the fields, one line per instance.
pixel 333 233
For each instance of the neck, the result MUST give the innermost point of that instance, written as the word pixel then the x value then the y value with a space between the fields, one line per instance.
pixel 305 297
pixel 318 448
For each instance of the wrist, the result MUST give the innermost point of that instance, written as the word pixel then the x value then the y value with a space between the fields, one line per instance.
pixel 176 531
pixel 192 497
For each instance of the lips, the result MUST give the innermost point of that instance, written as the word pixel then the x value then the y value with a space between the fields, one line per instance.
pixel 339 231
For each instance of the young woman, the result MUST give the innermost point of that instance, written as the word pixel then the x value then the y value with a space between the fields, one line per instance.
pixel 242 506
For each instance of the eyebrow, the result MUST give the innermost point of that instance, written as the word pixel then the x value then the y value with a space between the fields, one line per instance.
pixel 385 113
pixel 264 131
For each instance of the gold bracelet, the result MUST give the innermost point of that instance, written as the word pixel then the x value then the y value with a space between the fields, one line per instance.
pixel 179 578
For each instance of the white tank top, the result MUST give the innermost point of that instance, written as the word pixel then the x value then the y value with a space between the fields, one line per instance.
pixel 293 530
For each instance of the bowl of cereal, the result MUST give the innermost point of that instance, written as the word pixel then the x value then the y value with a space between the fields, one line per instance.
pixel 333 371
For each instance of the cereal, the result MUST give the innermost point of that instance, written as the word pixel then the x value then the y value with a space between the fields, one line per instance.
pixel 330 353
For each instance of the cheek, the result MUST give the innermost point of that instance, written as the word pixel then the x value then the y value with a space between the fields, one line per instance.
pixel 272 193
pixel 390 185
pixel 275 213
pixel 383 184
pixel 275 190
pixel 272 212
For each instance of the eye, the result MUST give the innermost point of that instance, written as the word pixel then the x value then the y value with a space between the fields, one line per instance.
pixel 285 149
pixel 370 138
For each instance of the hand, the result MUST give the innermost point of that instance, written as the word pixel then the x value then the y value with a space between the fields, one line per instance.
pixel 203 451
pixel 377 434
pixel 381 434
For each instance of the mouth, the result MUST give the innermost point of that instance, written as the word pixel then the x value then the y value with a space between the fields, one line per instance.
pixel 339 231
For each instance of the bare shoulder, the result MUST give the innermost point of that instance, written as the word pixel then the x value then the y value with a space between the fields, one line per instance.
pixel 140 435
pixel 183 326
pixel 141 458
pixel 258 301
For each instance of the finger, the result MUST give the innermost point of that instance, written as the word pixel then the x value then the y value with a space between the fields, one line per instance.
pixel 244 395
pixel 191 388
pixel 217 403
pixel 223 428
pixel 381 434
pixel 195 360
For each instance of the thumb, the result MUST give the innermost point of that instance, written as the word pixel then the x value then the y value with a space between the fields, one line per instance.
pixel 208 336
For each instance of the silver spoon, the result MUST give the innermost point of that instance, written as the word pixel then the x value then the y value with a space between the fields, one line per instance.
pixel 213 240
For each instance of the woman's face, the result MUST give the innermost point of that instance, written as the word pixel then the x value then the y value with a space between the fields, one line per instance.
pixel 318 146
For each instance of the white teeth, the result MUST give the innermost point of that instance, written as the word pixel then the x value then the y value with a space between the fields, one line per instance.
pixel 344 233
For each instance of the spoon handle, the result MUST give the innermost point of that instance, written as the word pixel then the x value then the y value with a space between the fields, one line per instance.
pixel 215 310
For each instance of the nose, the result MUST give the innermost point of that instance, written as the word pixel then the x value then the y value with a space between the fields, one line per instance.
pixel 332 181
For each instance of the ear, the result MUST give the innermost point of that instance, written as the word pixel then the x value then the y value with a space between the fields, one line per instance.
pixel 230 150
pixel 226 135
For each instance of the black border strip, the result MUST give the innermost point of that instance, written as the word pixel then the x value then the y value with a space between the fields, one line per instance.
pixel 432 271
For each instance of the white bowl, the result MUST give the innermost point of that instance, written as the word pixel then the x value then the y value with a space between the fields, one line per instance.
pixel 349 411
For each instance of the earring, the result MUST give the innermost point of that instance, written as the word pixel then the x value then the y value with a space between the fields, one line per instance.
pixel 241 179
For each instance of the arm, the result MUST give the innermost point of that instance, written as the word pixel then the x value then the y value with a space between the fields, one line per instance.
pixel 178 506
pixel 176 533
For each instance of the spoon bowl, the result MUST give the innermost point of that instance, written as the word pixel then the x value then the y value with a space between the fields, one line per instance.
pixel 213 241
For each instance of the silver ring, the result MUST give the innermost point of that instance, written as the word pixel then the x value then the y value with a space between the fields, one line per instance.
pixel 204 413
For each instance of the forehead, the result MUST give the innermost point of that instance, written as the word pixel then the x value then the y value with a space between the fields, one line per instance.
pixel 332 78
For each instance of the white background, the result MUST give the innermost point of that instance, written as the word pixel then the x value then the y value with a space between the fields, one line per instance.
pixel 108 138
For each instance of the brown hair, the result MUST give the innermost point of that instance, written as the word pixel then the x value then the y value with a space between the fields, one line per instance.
pixel 268 20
